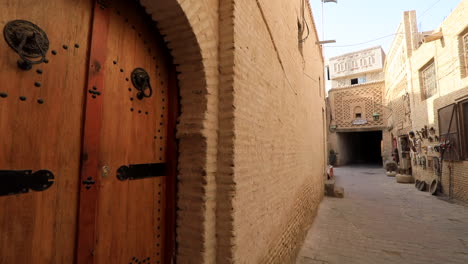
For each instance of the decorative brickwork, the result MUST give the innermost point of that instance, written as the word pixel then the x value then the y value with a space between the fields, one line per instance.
pixel 366 96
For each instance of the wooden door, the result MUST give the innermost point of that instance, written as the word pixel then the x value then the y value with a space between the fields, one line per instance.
pixel 80 116
pixel 40 127
pixel 124 220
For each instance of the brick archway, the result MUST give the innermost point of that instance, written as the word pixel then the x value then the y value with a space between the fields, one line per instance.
pixel 190 31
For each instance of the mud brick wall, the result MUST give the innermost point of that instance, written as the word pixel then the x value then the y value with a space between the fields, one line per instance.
pixel 251 130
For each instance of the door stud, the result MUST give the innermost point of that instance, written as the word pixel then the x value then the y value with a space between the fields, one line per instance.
pixel 88 182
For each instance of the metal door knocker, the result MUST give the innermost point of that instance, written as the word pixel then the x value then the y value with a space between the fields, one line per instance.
pixel 28 40
pixel 141 81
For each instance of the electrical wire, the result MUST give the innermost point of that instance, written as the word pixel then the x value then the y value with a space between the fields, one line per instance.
pixel 312 78
pixel 449 73
pixel 304 22
pixel 361 43
pixel 372 40
pixel 425 11
pixel 308 32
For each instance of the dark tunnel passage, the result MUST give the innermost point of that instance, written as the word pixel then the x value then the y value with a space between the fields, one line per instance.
pixel 362 147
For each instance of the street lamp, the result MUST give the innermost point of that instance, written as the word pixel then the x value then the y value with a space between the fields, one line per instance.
pixel 323 31
pixel 325 42
pixel 376 116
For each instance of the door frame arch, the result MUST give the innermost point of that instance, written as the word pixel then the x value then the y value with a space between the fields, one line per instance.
pixel 191 35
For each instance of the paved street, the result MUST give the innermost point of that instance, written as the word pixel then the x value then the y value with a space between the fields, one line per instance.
pixel 381 221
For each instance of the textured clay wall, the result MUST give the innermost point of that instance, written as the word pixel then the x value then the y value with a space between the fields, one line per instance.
pixel 455 180
pixel 338 142
pixel 386 146
pixel 278 157
pixel 251 130
pixel 397 92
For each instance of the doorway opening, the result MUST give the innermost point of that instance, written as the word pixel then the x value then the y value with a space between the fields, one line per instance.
pixel 361 147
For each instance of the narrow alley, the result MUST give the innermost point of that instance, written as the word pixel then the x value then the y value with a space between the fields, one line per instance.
pixel 381 221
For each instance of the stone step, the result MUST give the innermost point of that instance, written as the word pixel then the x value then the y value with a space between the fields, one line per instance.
pixel 333 191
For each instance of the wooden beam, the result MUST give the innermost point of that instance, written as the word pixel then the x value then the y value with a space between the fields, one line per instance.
pixel 433 36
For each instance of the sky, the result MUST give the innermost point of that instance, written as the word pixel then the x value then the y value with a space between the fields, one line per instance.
pixel 355 21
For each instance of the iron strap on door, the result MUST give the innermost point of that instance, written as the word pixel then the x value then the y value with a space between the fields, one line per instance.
pixel 29 41
pixel 20 181
pixel 89 191
pixel 141 171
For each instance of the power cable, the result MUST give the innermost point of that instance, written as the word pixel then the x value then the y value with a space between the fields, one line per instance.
pixel 386 36
pixel 447 73
pixel 304 22
pixel 308 32
pixel 372 40
pixel 425 11
pixel 361 43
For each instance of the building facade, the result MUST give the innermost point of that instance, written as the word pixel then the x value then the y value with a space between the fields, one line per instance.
pixel 243 122
pixel 356 114
pixel 427 91
pixel 396 94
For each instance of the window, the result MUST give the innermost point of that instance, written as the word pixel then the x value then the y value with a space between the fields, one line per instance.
pixel 453 127
pixel 449 135
pixel 320 86
pixel 464 125
pixel 465 50
pixel 428 81
pixel 358 112
pixel 464 53
pixel 363 62
pixel 358 80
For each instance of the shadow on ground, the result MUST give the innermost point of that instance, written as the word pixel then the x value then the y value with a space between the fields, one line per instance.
pixel 381 221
